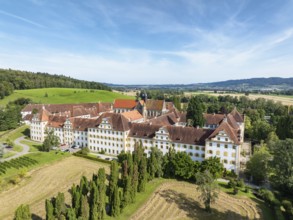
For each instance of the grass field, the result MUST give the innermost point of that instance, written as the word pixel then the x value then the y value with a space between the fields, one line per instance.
pixel 180 200
pixel 45 183
pixel 285 100
pixel 64 95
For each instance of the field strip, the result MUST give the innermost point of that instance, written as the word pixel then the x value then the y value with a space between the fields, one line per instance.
pixel 45 183
pixel 180 200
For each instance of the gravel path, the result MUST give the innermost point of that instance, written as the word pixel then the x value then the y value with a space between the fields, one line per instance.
pixel 25 149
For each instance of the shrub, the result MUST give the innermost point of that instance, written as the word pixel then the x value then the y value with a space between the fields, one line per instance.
pixel 287 206
pixel 235 190
pixel 84 151
pixel 102 152
pixel 14 180
pixel 22 173
pixel 267 196
pixel 232 183
pixel 246 190
pixel 240 183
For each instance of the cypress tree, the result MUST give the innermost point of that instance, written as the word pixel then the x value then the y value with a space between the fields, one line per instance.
pixel 59 205
pixel 114 175
pixel 115 211
pixel 49 210
pixel 85 210
pixel 134 183
pixel 84 186
pixel 102 194
pixel 126 192
pixel 76 201
pixel 138 152
pixel 71 214
pixel 94 201
pixel 152 164
pixel 22 213
pixel 142 178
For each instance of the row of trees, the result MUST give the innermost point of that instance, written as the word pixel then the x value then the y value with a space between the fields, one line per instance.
pixel 15 79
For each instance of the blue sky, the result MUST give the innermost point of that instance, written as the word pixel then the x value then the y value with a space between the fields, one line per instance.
pixel 148 42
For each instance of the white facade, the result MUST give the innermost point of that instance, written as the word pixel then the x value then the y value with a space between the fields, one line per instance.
pixel 37 129
pixel 223 147
pixel 104 138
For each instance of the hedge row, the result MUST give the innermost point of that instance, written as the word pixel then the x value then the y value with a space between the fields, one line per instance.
pixel 92 158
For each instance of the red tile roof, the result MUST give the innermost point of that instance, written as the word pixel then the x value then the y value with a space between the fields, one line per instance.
pixel 125 103
pixel 132 115
pixel 238 117
pixel 156 105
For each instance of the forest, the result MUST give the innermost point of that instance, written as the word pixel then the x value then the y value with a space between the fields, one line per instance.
pixel 11 80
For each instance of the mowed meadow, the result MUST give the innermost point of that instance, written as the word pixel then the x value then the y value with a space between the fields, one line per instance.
pixel 64 96
pixel 46 182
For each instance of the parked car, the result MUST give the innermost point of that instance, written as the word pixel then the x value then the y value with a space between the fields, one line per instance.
pixel 107 158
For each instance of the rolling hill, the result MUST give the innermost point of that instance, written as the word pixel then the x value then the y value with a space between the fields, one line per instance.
pixel 241 84
pixel 64 95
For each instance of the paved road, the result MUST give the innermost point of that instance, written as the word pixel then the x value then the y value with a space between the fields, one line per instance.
pixel 25 149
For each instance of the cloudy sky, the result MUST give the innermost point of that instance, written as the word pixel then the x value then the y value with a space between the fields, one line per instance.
pixel 148 42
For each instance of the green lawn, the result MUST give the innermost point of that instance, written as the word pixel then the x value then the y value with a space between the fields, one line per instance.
pixel 141 198
pixel 64 95
pixel 34 146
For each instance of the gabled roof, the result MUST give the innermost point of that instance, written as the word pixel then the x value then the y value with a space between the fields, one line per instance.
pixel 132 115
pixel 213 119
pixel 164 120
pixel 232 122
pixel 125 103
pixel 238 117
pixel 82 124
pixel 28 117
pixel 155 105
pixel 43 115
pixel 118 122
pixel 56 121
pixel 188 135
pixel 71 110
pixel 224 126
pixel 143 130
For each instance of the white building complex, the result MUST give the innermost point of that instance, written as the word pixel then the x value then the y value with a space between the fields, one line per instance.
pixel 117 127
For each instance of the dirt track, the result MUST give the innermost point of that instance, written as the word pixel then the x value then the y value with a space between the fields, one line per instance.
pixel 45 183
pixel 179 200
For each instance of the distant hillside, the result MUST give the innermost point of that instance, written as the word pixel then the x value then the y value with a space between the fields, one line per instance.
pixel 241 84
pixel 254 82
pixel 64 96
pixel 11 80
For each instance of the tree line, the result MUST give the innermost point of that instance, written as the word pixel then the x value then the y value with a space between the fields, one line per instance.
pixel 11 80
pixel 10 116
